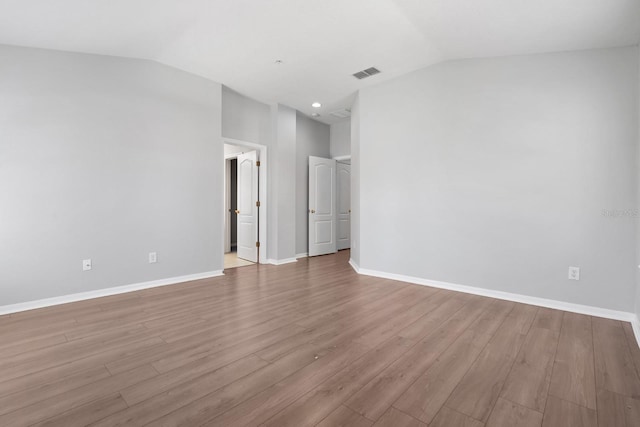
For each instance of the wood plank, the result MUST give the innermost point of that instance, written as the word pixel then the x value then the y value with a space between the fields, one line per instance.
pixel 396 418
pixel 573 377
pixel 548 318
pixel 53 370
pixel 324 399
pixel 379 394
pixel 448 304
pixel 88 413
pixel 615 410
pixel 272 400
pixel 424 398
pixel 209 406
pixel 29 345
pixel 611 409
pixel 173 356
pixel 506 413
pixel 159 404
pixel 447 417
pixel 38 393
pixel 64 402
pixel 480 388
pixel 614 367
pixel 345 417
pixel 200 370
pixel 532 367
pixel 560 413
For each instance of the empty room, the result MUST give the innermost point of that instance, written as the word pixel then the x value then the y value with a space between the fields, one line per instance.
pixel 320 213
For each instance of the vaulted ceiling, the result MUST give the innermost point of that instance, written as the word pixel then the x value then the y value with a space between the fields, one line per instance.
pixel 321 43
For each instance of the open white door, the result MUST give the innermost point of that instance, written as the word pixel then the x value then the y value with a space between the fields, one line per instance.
pixel 247 210
pixel 322 206
pixel 344 205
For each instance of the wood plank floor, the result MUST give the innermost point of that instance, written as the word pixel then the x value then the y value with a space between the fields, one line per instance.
pixel 313 343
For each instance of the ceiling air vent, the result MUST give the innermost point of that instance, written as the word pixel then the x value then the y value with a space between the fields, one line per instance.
pixel 366 73
pixel 341 114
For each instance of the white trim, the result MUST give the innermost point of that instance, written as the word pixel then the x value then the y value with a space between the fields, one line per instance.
pixel 302 255
pixel 342 158
pixel 355 266
pixel 47 302
pixel 635 324
pixel 264 194
pixel 282 261
pixel 524 299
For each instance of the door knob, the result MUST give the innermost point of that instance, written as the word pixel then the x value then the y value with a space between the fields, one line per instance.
pixel 312 210
pixel 237 211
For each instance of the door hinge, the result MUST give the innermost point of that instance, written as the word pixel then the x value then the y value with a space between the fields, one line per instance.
pixel 258 163
pixel 257 244
pixel 258 203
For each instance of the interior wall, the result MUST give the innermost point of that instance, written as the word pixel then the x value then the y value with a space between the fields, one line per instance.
pixel 282 185
pixel 244 118
pixel 355 182
pixel 312 139
pixel 637 216
pixel 513 169
pixel 340 139
pixel 109 159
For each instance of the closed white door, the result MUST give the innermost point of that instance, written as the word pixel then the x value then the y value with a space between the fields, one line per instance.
pixel 322 206
pixel 247 210
pixel 344 205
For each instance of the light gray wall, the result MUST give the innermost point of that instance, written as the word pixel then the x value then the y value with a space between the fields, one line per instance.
pixel 638 203
pixel 355 181
pixel 341 139
pixel 312 140
pixel 244 118
pixel 502 169
pixel 282 184
pixel 109 159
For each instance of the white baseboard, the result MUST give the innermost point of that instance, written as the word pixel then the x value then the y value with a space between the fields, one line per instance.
pixel 282 261
pixel 302 255
pixel 355 266
pixel 635 324
pixel 524 299
pixel 32 305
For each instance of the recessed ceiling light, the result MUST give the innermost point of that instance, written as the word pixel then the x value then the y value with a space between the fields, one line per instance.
pixel 316 105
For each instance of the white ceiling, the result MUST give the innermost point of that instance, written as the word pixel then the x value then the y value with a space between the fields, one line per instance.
pixel 321 43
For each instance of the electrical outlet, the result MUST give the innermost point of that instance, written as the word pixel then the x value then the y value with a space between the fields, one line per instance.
pixel 86 264
pixel 574 273
pixel 153 257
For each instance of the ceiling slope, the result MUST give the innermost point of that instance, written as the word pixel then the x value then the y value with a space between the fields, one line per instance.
pixel 321 44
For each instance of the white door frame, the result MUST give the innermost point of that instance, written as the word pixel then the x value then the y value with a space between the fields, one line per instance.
pixel 262 171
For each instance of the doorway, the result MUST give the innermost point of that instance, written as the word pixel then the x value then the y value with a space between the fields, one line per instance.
pixel 343 205
pixel 329 223
pixel 244 203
